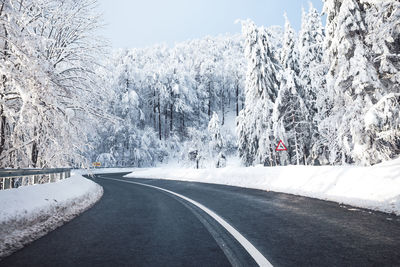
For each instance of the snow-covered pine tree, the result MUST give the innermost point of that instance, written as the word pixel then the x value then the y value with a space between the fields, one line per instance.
pixel 312 77
pixel 214 129
pixel 194 148
pixel 382 123
pixel 127 139
pixel 254 123
pixel 352 81
pixel 382 119
pixel 383 22
pixel 291 116
pixel 217 143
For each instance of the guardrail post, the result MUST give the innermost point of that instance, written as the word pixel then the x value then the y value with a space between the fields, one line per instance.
pixel 17 182
pixel 7 183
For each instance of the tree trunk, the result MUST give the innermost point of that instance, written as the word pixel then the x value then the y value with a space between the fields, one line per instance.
pixel 154 110
pixel 223 105
pixel 209 100
pixel 2 131
pixel 159 117
pixel 237 99
pixel 2 119
pixel 165 122
pixel 2 94
pixel 271 162
pixel 34 154
pixel 171 117
pixel 296 145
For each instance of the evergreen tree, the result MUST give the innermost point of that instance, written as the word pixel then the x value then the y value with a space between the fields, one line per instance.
pixel 381 121
pixel 383 22
pixel 290 113
pixel 352 81
pixel 214 129
pixel 217 143
pixel 254 123
pixel 312 77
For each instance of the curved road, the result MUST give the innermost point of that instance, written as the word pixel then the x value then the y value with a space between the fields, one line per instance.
pixel 137 225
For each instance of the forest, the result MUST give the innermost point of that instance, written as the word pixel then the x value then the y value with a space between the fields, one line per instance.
pixel 330 92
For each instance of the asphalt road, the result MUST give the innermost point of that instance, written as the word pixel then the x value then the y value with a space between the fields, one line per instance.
pixel 135 225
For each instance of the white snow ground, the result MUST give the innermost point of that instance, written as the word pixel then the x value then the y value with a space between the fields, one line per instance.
pixel 30 212
pixel 104 170
pixel 376 187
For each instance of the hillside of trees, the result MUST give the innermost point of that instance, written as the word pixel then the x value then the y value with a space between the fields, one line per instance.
pixel 167 97
pixel 330 92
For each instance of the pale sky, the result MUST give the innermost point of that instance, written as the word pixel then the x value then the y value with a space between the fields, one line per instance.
pixel 141 23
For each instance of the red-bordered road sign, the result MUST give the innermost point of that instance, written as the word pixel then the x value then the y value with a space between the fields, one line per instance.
pixel 281 146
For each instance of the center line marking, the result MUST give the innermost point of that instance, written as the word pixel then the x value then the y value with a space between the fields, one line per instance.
pixel 254 253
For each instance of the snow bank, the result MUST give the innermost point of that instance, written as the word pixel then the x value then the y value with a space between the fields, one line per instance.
pixel 30 212
pixel 103 170
pixel 376 187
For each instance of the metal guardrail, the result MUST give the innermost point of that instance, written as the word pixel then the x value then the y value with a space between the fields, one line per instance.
pixel 14 178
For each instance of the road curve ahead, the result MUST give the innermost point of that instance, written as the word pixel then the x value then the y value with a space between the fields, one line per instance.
pixel 152 225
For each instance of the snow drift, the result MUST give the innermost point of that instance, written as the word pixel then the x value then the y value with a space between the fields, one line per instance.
pixel 376 187
pixel 30 212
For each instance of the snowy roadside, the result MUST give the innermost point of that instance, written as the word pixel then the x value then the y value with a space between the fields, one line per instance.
pixel 103 170
pixel 30 212
pixel 376 187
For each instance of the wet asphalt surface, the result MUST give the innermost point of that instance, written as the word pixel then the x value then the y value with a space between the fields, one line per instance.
pixel 134 225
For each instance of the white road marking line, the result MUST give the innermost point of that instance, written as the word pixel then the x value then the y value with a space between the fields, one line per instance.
pixel 254 253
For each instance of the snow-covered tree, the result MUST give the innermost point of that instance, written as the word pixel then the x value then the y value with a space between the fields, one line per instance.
pixel 176 89
pixel 254 123
pixel 383 22
pixel 127 139
pixel 107 160
pixel 382 122
pixel 214 129
pixel 194 149
pixel 291 116
pixel 217 143
pixel 48 86
pixel 312 76
pixel 352 81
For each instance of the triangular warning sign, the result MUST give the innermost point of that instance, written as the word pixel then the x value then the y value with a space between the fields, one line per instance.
pixel 281 146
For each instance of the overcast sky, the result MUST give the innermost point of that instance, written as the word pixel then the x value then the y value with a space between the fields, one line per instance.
pixel 140 23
